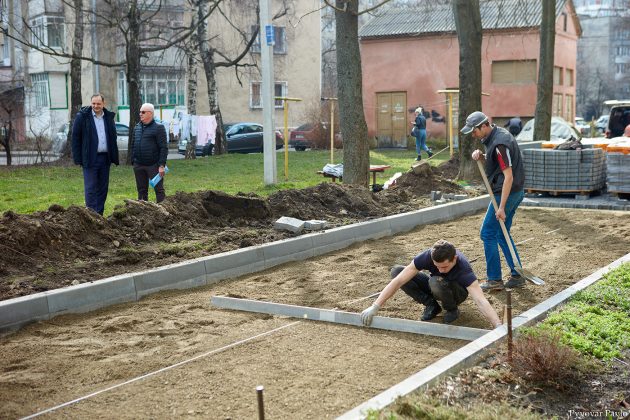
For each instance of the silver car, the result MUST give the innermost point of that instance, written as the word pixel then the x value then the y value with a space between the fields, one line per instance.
pixel 61 137
pixel 560 130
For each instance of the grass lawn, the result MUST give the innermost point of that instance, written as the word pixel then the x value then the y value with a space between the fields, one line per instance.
pixel 34 188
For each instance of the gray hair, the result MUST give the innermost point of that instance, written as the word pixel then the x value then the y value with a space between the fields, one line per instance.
pixel 148 107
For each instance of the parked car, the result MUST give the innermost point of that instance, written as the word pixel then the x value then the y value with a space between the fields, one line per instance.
pixel 601 124
pixel 560 130
pixel 304 137
pixel 241 138
pixel 61 137
pixel 309 135
pixel 582 126
pixel 618 119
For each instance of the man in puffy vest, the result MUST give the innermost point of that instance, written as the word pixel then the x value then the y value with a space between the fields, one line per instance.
pixel 94 148
pixel 506 174
pixel 149 153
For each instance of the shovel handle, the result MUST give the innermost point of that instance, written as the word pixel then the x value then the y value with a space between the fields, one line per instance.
pixel 496 208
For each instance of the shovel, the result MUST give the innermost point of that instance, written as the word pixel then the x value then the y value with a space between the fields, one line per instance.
pixel 517 266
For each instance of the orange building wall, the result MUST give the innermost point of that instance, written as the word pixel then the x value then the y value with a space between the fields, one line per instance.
pixel 421 66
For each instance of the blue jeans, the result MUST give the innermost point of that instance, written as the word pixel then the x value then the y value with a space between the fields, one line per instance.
pixel 491 235
pixel 96 183
pixel 421 140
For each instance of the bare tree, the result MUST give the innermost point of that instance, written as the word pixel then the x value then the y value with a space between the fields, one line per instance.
pixel 76 99
pixel 544 98
pixel 469 34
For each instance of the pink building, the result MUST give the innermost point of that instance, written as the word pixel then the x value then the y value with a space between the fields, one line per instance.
pixel 409 54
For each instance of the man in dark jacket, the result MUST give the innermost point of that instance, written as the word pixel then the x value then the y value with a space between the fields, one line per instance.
pixel 149 153
pixel 506 174
pixel 94 148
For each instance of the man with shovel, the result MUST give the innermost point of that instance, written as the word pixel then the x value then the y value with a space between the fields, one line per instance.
pixel 452 280
pixel 506 176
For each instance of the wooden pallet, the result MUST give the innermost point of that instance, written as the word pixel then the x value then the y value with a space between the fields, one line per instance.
pixel 558 192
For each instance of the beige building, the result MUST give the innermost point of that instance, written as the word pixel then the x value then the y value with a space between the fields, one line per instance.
pixel 46 79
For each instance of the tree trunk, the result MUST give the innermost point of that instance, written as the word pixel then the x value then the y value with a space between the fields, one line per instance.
pixel 210 70
pixel 544 98
pixel 191 87
pixel 356 151
pixel 6 141
pixel 133 53
pixel 75 72
pixel 469 35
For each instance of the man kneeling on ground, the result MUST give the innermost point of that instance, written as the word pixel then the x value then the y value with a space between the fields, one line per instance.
pixel 452 280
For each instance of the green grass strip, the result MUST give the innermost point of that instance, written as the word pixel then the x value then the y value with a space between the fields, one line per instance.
pixel 596 321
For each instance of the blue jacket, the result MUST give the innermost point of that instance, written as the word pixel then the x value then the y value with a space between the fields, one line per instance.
pixel 421 122
pixel 85 138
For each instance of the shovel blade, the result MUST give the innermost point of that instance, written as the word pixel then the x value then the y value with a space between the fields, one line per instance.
pixel 529 276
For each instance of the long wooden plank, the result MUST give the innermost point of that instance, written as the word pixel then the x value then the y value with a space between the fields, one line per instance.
pixel 348 318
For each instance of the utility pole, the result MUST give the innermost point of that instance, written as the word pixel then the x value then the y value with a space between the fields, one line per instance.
pixel 267 94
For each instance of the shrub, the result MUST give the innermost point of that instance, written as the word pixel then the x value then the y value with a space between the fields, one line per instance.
pixel 540 356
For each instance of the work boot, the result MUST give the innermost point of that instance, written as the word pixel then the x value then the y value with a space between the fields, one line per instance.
pixel 450 316
pixel 515 282
pixel 430 153
pixel 492 285
pixel 419 158
pixel 431 310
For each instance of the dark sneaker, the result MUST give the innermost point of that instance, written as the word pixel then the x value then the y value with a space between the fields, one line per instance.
pixel 515 282
pixel 430 311
pixel 419 158
pixel 430 153
pixel 450 316
pixel 492 285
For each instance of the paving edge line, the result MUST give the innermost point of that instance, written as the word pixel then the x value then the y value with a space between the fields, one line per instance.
pixel 468 355
pixel 92 295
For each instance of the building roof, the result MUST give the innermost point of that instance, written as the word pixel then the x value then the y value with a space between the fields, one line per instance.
pixel 427 18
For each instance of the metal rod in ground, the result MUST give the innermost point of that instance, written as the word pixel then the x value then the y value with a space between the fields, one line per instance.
pixel 508 300
pixel 261 406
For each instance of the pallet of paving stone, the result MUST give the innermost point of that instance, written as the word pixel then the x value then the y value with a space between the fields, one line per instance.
pixel 564 171
pixel 557 192
pixel 618 173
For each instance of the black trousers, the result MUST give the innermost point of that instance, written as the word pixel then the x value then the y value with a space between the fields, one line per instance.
pixel 143 176
pixel 425 290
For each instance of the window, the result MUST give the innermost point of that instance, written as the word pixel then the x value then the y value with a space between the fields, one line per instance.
pixel 255 94
pixel 279 40
pixel 48 31
pixel 556 105
pixel 514 72
pixel 156 87
pixel 622 68
pixel 557 76
pixel 40 89
pixel 569 77
pixel 568 107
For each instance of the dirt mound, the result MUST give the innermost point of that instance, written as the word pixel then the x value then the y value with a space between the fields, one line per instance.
pixel 332 201
pixel 53 248
pixel 429 178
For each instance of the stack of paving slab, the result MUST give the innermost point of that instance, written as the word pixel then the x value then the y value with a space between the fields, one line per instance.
pixel 618 172
pixel 564 170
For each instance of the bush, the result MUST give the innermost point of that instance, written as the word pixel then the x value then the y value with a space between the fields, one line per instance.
pixel 540 356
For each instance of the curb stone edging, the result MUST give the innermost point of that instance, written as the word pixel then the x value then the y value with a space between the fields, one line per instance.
pixel 17 312
pixel 472 352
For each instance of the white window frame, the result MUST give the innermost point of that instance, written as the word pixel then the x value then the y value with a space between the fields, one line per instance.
pixel 39 82
pixel 279 39
pixel 281 88
pixel 43 31
pixel 150 82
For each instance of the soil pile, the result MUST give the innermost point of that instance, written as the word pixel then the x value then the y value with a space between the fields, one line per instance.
pixel 54 248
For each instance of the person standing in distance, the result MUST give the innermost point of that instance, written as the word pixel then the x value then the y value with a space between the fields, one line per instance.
pixel 420 133
pixel 506 175
pixel 149 153
pixel 94 148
